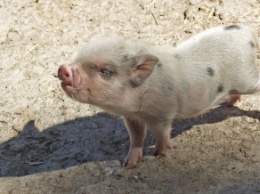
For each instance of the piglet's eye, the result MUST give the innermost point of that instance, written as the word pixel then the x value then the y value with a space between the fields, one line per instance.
pixel 106 73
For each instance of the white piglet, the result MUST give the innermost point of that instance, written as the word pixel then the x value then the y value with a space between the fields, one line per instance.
pixel 151 85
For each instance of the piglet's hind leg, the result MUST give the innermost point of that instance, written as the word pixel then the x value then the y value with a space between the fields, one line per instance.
pixel 162 132
pixel 232 100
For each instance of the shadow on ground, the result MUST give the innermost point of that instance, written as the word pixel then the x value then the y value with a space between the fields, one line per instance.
pixel 97 138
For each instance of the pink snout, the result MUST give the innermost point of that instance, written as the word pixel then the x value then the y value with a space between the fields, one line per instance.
pixel 65 74
pixel 70 77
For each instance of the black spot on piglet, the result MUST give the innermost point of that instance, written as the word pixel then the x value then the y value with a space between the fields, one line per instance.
pixel 252 44
pixel 232 27
pixel 220 88
pixel 210 71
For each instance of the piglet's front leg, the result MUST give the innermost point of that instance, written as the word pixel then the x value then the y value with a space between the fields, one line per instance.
pixel 136 130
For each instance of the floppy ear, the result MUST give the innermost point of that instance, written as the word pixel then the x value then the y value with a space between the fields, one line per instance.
pixel 143 68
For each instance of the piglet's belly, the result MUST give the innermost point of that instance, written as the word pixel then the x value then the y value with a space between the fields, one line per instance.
pixel 192 105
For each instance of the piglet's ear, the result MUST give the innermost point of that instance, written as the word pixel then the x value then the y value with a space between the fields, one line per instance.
pixel 143 68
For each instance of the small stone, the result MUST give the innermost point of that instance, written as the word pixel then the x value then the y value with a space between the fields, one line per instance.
pixel 118 172
pixel 108 171
pixel 148 158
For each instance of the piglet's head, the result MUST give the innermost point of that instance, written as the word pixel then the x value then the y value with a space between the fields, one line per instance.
pixel 106 71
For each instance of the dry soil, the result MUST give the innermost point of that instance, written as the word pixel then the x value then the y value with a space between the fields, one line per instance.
pixel 52 144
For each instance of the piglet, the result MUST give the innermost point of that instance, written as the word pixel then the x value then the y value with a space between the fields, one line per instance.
pixel 151 85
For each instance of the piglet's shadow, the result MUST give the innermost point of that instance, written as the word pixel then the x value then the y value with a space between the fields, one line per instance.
pixel 214 116
pixel 97 138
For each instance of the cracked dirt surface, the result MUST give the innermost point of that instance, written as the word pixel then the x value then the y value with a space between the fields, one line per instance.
pixel 52 144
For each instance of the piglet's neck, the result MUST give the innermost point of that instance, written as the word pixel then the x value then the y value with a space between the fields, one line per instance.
pixel 125 105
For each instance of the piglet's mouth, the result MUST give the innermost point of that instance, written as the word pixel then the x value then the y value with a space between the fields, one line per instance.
pixel 66 85
pixel 70 78
pixel 71 85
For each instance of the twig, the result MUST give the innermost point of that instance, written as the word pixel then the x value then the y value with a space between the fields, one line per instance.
pixel 211 13
pixel 23 55
pixel 151 3
pixel 30 50
pixel 32 162
pixel 155 18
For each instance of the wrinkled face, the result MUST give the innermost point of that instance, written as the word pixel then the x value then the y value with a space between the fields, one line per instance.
pixel 94 82
pixel 106 72
pixel 99 75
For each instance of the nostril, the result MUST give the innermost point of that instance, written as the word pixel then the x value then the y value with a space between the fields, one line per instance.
pixel 64 72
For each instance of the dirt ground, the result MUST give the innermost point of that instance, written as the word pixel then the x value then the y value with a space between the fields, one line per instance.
pixel 52 144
